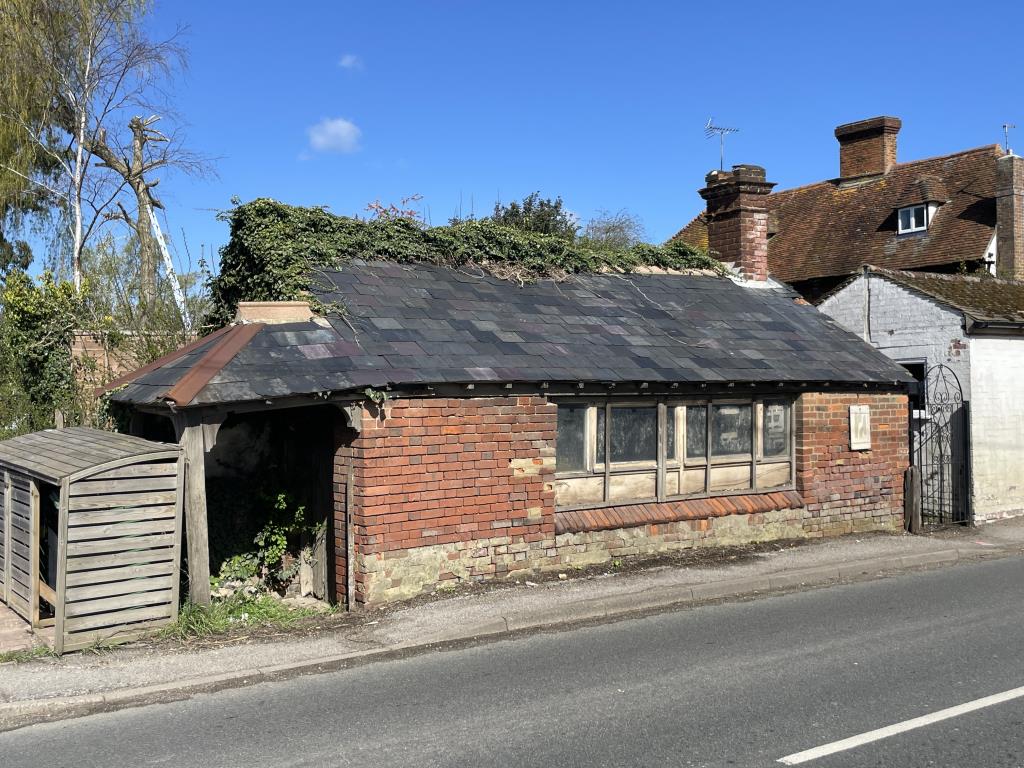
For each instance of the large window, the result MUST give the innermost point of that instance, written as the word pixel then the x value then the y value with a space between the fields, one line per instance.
pixel 620 452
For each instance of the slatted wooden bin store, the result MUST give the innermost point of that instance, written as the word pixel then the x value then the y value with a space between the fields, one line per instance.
pixel 90 534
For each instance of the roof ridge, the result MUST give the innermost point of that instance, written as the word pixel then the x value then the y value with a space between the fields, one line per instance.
pixel 974 277
pixel 211 363
pixel 834 180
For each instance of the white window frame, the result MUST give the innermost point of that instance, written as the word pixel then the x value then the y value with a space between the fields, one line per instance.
pixel 926 212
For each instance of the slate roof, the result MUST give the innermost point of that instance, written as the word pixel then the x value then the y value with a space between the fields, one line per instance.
pixel 981 298
pixel 410 325
pixel 835 227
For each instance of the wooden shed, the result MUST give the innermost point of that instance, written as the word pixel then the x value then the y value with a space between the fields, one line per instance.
pixel 90 534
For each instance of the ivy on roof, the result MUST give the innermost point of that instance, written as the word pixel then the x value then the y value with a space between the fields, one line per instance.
pixel 276 251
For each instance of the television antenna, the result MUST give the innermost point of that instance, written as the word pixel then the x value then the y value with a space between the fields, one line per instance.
pixel 1006 137
pixel 712 130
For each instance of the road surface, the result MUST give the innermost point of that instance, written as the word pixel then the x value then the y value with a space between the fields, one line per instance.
pixel 738 684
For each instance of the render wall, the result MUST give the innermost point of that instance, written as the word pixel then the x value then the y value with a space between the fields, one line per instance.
pixel 904 325
pixel 997 427
pixel 450 490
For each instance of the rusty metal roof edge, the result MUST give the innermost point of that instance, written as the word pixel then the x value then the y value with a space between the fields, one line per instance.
pixel 219 355
pixel 170 357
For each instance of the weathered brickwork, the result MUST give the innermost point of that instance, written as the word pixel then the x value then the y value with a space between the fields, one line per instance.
pixel 448 475
pixel 448 490
pixel 845 490
pixel 867 147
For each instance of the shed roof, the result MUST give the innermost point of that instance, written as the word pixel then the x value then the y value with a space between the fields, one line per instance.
pixel 54 454
pixel 412 324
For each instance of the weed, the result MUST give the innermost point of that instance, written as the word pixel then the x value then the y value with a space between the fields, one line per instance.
pixel 26 654
pixel 237 611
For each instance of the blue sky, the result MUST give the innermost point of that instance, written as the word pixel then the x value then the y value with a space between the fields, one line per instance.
pixel 603 103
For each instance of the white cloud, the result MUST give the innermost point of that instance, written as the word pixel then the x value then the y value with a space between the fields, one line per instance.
pixel 350 61
pixel 334 134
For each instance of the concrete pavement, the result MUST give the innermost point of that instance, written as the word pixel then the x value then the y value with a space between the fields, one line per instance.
pixel 81 683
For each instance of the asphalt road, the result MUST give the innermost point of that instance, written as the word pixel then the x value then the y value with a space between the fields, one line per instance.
pixel 741 684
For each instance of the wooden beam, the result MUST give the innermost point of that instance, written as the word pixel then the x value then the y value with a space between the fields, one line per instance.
pixel 190 427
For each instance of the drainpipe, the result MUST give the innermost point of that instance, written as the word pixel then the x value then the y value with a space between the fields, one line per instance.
pixel 867 304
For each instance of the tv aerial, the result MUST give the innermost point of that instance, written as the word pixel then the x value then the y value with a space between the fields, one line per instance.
pixel 1006 137
pixel 716 130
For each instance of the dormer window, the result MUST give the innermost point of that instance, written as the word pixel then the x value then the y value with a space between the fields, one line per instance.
pixel 913 219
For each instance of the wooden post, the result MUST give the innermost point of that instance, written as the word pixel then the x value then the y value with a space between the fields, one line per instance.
pixel 190 428
pixel 912 499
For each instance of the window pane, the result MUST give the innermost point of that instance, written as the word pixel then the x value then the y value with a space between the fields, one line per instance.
pixel 670 436
pixel 634 434
pixel 775 429
pixel 919 217
pixel 696 432
pixel 905 220
pixel 730 430
pixel 600 435
pixel 570 445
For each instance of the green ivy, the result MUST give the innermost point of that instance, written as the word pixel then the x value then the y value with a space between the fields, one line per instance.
pixel 36 331
pixel 276 252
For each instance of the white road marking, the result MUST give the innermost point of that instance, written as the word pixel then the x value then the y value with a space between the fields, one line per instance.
pixel 907 725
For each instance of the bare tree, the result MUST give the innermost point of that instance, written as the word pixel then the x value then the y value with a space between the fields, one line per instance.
pixel 98 71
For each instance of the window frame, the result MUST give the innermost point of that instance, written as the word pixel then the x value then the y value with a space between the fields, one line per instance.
pixel 676 407
pixel 912 229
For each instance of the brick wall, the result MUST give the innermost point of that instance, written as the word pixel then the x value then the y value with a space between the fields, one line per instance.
pixel 461 489
pixel 457 481
pixel 845 490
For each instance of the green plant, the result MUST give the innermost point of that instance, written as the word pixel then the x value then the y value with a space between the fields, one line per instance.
pixel 237 611
pixel 287 522
pixel 376 396
pixel 238 568
pixel 26 654
pixel 278 252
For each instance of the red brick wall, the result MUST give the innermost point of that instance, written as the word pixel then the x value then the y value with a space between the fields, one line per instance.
pixel 846 490
pixel 456 489
pixel 443 471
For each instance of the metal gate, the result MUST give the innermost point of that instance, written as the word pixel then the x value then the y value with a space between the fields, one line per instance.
pixel 940 449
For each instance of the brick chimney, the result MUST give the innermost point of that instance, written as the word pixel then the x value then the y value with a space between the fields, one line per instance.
pixel 737 215
pixel 1010 217
pixel 867 147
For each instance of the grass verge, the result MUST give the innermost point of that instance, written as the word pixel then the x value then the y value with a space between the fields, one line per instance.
pixel 231 614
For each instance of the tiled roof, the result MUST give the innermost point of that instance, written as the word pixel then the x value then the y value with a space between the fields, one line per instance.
pixel 415 324
pixel 833 227
pixel 981 297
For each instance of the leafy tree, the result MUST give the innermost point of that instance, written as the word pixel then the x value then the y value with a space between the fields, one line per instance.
pixel 36 371
pixel 92 67
pixel 536 214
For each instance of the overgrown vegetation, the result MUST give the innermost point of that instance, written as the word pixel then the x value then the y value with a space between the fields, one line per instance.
pixel 276 251
pixel 238 611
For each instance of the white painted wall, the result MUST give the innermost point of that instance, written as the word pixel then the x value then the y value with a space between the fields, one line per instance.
pixel 905 325
pixel 997 426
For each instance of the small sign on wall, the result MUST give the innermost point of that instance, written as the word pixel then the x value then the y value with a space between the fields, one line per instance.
pixel 860 428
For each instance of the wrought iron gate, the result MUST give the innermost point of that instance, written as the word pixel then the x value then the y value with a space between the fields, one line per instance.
pixel 940 449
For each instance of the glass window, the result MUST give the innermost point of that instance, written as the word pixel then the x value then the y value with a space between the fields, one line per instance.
pixel 913 219
pixel 696 432
pixel 670 434
pixel 775 429
pixel 571 439
pixel 633 434
pixel 730 430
